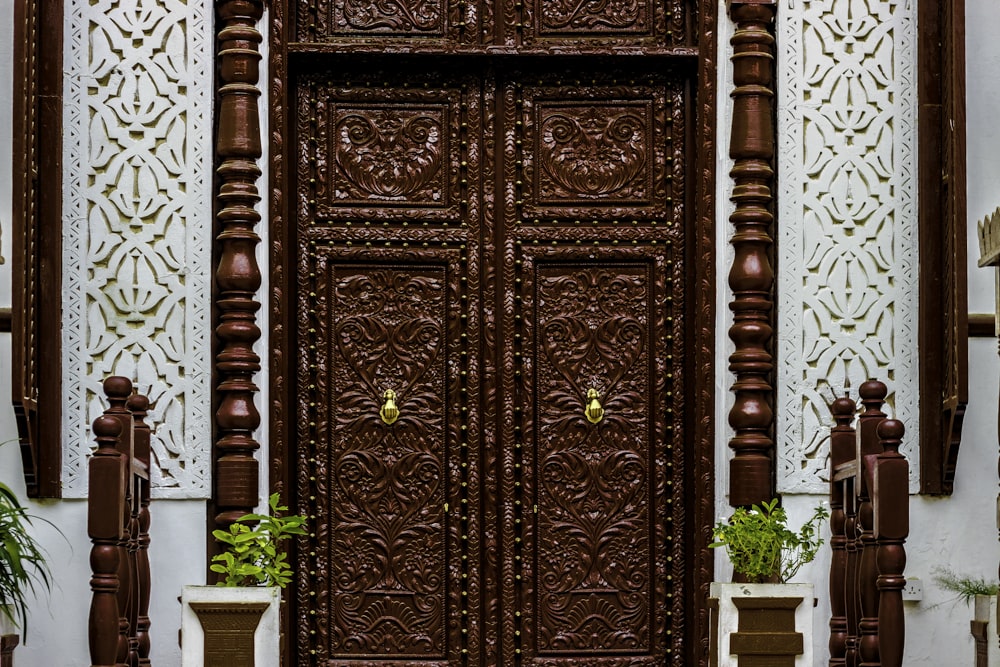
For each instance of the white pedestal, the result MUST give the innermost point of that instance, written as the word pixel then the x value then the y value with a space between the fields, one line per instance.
pixel 266 651
pixel 727 616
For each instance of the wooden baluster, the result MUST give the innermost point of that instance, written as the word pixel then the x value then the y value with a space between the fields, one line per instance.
pixel 105 513
pixel 841 452
pixel 237 275
pixel 118 389
pixel 851 603
pixel 892 525
pixel 139 405
pixel 751 276
pixel 872 395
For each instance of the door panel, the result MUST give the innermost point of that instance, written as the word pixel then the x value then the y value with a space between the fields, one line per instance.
pixel 491 242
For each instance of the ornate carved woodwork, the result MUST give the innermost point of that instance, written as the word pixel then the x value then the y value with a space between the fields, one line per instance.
pixel 237 276
pixel 751 278
pixel 36 169
pixel 499 471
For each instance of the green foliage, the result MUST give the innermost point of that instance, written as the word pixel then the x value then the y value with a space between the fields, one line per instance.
pixel 253 556
pixel 965 586
pixel 761 546
pixel 22 563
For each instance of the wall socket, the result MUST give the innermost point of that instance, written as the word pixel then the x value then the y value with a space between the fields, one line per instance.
pixel 914 590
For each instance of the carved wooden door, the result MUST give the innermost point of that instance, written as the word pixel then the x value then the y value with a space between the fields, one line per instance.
pixel 490 254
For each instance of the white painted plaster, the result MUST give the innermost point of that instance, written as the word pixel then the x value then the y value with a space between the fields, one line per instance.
pixel 137 212
pixel 177 557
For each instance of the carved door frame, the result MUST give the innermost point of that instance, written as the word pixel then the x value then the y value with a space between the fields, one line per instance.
pixel 238 276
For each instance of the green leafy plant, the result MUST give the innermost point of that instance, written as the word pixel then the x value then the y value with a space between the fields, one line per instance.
pixel 760 545
pixel 966 587
pixel 253 556
pixel 22 563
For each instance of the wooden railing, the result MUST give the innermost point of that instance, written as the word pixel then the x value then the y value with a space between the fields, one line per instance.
pixel 869 521
pixel 118 524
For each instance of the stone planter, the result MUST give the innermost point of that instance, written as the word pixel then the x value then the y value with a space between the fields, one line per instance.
pixel 230 627
pixel 985 631
pixel 771 624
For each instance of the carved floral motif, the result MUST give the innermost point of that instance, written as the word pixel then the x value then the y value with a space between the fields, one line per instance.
pixel 592 15
pixel 593 152
pixel 388 483
pixel 393 16
pixel 594 560
pixel 389 155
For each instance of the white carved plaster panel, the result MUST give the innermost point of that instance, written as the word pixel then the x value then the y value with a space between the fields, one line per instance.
pixel 847 268
pixel 137 228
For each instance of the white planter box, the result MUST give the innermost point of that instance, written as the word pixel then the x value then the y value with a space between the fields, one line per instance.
pixel 726 621
pixel 266 650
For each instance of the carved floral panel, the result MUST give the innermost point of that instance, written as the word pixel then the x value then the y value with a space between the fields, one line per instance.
pixel 137 238
pixel 848 279
pixel 600 461
pixel 385 419
pixel 387 485
pixel 392 20
pixel 397 154
pixel 598 150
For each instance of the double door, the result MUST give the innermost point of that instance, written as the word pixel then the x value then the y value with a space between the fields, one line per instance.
pixel 490 361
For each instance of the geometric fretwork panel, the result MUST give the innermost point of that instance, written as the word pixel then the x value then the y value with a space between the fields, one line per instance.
pixel 848 225
pixel 137 228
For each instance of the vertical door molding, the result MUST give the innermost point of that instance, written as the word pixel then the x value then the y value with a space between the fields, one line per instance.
pixel 751 276
pixel 238 276
pixel 36 246
pixel 943 329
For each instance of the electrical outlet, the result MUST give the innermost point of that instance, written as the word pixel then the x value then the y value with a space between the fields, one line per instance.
pixel 914 590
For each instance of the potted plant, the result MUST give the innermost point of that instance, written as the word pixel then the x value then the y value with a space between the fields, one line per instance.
pixel 761 609
pixel 22 564
pixel 236 621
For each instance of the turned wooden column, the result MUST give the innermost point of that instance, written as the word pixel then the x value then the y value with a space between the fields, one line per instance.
pixel 751 277
pixel 237 276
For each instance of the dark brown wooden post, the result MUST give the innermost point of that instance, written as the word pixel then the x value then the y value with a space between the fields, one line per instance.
pixel 237 276
pixel 105 515
pixel 841 452
pixel 892 525
pixel 118 389
pixel 7 645
pixel 872 395
pixel 139 405
pixel 751 277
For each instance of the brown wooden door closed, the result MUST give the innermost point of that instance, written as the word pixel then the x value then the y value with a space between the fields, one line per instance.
pixel 490 281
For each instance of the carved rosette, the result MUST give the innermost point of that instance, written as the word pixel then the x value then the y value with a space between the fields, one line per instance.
pixel 237 276
pixel 751 277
